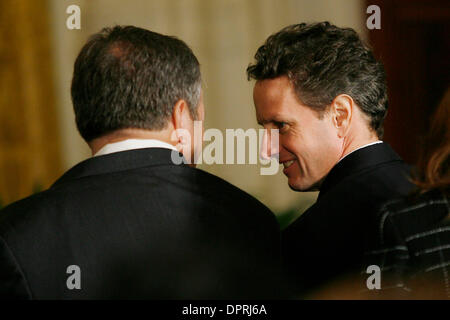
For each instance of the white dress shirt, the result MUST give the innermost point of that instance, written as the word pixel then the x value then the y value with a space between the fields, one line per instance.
pixel 131 144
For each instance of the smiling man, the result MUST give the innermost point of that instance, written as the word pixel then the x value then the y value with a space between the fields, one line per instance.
pixel 322 88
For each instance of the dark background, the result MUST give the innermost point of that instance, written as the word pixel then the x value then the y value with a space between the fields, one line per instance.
pixel 414 45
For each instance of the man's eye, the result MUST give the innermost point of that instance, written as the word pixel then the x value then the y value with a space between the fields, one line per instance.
pixel 281 125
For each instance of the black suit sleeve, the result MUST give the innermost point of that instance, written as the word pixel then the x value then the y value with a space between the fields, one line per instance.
pixel 13 284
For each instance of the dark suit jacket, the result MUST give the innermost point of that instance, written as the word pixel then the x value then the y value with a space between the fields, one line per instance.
pixel 329 239
pixel 138 226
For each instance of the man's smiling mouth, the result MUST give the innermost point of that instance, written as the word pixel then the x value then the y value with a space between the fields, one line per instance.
pixel 287 164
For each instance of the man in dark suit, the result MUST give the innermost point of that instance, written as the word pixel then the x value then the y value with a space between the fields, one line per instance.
pixel 132 221
pixel 322 88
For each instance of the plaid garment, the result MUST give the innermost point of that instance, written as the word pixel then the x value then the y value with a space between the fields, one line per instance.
pixel 412 248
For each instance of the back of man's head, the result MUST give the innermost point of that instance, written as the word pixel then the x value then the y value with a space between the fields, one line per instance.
pixel 322 61
pixel 128 77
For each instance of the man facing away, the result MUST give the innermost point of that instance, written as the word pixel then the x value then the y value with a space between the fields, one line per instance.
pixel 322 88
pixel 129 222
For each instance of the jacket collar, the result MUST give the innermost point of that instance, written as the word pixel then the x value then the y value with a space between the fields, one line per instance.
pixel 358 161
pixel 120 161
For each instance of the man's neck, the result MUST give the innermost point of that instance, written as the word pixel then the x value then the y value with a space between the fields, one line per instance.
pixel 126 134
pixel 358 144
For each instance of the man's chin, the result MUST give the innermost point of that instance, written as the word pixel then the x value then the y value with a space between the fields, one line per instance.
pixel 299 187
pixel 295 187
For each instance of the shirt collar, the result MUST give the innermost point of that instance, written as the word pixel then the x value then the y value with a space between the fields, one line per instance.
pixel 131 144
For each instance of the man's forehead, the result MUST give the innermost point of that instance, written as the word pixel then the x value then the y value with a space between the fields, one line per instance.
pixel 269 97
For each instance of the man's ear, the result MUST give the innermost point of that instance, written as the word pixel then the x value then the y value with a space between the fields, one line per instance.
pixel 181 116
pixel 183 126
pixel 342 112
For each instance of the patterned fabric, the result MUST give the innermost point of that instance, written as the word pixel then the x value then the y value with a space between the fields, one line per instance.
pixel 412 248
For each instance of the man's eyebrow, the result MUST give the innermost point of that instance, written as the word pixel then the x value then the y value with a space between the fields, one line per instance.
pixel 264 121
pixel 274 119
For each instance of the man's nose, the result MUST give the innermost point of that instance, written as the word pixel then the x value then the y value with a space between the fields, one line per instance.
pixel 265 148
pixel 270 144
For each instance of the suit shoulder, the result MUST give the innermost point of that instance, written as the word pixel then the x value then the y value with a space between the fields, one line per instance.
pixel 22 209
pixel 224 189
